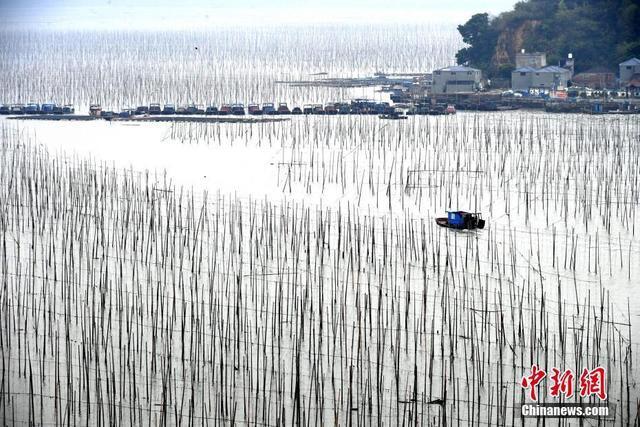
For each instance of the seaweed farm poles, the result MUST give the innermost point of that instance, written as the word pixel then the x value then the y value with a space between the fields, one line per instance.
pixel 129 300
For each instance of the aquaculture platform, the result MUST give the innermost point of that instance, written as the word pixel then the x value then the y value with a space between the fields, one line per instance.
pixel 197 119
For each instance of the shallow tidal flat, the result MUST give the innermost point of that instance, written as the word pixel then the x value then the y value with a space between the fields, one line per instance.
pixel 138 297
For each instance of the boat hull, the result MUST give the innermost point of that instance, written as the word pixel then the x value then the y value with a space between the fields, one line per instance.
pixel 444 222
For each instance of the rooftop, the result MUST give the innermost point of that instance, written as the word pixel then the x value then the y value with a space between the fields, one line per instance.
pixel 597 70
pixel 632 61
pixel 547 69
pixel 524 70
pixel 552 69
pixel 458 68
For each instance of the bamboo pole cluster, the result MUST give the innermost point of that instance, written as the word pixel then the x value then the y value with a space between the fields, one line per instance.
pixel 570 171
pixel 128 300
pixel 227 64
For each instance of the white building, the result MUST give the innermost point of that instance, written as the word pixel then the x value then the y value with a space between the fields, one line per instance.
pixel 522 78
pixel 456 79
pixel 546 79
pixel 531 60
pixel 627 69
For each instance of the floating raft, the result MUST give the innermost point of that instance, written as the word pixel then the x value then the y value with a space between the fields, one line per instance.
pixel 193 119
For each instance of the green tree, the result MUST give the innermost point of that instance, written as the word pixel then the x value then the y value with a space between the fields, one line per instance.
pixel 481 38
pixel 597 32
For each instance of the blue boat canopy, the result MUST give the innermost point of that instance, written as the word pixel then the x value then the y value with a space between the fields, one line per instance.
pixel 455 218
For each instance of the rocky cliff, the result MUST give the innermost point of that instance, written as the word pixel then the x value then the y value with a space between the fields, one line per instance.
pixel 510 41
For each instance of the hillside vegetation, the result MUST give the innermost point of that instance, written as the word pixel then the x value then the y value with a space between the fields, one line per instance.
pixel 600 33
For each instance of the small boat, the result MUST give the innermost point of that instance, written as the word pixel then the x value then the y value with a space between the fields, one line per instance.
pixel 507 107
pixel 461 220
pixel 32 108
pixel 17 109
pixel 155 108
pixel 283 108
pixel 363 106
pixel 142 109
pixel 393 116
pixel 254 110
pixel 237 109
pixel 382 108
pixel 47 108
pixel 95 110
pixel 371 107
pixel 269 109
pixel 344 109
pixel 330 109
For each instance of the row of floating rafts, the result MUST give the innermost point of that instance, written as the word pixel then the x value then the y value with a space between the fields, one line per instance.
pixel 33 108
pixel 358 106
pixel 354 107
pixel 427 109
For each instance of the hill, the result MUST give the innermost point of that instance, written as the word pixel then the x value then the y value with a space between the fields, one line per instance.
pixel 600 33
